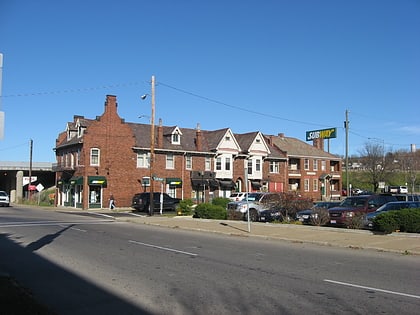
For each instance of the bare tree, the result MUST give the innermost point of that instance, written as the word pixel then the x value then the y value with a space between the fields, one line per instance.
pixel 375 161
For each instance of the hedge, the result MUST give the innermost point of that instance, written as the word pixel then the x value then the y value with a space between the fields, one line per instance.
pixel 405 220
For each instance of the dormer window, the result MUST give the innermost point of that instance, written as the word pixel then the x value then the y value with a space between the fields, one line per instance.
pixel 227 138
pixel 175 138
pixel 80 131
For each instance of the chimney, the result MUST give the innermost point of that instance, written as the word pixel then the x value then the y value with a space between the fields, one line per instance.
pixel 111 103
pixel 160 134
pixel 199 139
pixel 281 135
pixel 319 143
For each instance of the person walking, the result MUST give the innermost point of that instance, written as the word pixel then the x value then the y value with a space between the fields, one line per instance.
pixel 112 202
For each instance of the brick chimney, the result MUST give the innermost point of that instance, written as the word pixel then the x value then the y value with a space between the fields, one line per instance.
pixel 319 143
pixel 111 103
pixel 160 134
pixel 199 138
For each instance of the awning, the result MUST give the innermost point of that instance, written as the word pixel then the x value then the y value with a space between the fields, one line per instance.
pixel 97 180
pixel 255 185
pixel 174 182
pixel 76 180
pixel 227 184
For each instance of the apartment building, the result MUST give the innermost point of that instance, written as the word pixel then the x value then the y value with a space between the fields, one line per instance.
pixel 105 156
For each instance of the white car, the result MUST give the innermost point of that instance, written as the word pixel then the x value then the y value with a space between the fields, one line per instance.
pixel 237 196
pixel 4 199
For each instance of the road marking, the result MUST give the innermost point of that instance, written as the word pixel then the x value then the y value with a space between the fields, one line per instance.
pixel 164 248
pixel 40 223
pixel 373 289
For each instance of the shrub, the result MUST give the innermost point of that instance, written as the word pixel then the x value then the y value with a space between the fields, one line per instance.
pixel 210 211
pixel 185 207
pixel 220 201
pixel 386 222
pixel 405 220
pixel 320 216
pixel 409 220
pixel 356 222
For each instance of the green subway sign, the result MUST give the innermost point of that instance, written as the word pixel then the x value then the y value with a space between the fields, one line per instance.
pixel 321 134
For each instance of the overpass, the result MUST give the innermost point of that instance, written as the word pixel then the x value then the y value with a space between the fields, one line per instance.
pixel 12 172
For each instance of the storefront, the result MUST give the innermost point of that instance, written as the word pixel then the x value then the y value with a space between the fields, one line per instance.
pixel 72 192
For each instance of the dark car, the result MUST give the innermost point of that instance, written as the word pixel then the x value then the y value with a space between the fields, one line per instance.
pixel 390 206
pixel 355 206
pixel 307 216
pixel 141 202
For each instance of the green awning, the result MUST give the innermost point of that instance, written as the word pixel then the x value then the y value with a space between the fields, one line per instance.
pixel 97 180
pixel 76 180
pixel 174 182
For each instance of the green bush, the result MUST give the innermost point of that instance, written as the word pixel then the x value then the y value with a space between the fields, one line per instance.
pixel 220 201
pixel 210 211
pixel 185 207
pixel 406 220
pixel 409 220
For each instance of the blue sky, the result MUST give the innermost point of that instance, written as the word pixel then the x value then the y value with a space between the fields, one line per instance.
pixel 271 66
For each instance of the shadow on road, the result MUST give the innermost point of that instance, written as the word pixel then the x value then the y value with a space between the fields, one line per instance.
pixel 60 290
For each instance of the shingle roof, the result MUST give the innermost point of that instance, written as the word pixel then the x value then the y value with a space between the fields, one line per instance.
pixel 298 148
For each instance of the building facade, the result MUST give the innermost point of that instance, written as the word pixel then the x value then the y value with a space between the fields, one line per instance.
pixel 105 156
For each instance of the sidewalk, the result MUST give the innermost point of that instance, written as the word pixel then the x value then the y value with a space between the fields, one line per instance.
pixel 404 243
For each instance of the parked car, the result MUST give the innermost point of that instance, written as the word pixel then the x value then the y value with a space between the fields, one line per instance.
pixel 237 196
pixel 141 201
pixel 354 206
pixel 4 199
pixel 307 216
pixel 257 203
pixel 390 206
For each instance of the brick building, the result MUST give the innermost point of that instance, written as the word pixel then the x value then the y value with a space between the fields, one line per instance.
pixel 97 158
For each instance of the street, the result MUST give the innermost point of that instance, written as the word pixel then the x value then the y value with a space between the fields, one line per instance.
pixel 90 263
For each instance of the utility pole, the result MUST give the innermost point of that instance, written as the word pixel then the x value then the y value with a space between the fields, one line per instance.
pixel 152 148
pixel 31 142
pixel 346 126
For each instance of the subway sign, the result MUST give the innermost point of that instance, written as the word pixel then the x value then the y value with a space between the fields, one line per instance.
pixel 321 134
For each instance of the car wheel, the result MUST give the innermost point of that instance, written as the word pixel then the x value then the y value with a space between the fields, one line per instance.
pixel 253 215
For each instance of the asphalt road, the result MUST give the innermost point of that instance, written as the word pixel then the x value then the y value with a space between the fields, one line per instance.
pixel 91 264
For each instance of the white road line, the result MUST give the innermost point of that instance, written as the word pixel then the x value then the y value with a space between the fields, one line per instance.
pixel 373 289
pixel 40 223
pixel 163 248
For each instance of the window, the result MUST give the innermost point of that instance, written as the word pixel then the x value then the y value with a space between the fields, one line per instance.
pixel 249 167
pixel 306 184
pixel 274 167
pixel 258 165
pixel 316 183
pixel 227 164
pixel 323 165
pixel 219 164
pixel 170 161
pixel 175 138
pixel 315 165
pixel 143 160
pixel 94 157
pixel 306 164
pixel 207 163
pixel 188 162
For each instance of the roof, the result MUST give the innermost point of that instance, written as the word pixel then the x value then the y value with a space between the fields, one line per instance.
pixel 298 148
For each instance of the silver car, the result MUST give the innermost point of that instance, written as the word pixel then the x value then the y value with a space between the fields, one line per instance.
pixel 4 199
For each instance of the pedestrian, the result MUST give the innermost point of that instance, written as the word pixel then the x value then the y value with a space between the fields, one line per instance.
pixel 112 202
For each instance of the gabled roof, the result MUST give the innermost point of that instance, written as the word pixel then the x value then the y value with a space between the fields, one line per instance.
pixel 298 148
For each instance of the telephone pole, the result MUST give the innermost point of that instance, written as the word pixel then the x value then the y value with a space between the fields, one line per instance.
pixel 346 126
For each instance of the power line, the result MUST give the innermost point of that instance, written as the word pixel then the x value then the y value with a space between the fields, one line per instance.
pixel 76 90
pixel 238 107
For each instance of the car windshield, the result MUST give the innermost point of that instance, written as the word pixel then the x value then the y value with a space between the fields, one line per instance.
pixel 2 193
pixel 253 197
pixel 353 202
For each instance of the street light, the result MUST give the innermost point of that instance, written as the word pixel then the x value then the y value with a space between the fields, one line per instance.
pixel 152 145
